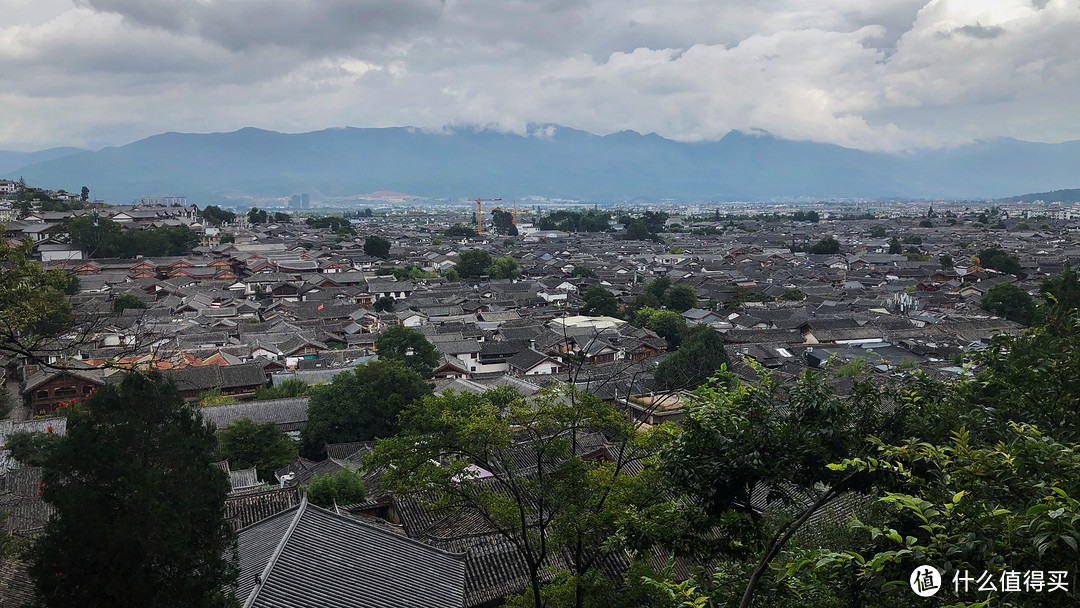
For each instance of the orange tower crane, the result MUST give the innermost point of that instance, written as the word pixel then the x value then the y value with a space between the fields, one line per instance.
pixel 480 213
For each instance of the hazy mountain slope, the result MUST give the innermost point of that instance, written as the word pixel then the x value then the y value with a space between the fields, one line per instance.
pixel 12 161
pixel 569 163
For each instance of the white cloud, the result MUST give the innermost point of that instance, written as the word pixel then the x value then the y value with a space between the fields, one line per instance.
pixel 888 74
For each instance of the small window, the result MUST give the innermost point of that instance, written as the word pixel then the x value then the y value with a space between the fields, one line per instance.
pixel 66 391
pixel 86 389
pixel 43 394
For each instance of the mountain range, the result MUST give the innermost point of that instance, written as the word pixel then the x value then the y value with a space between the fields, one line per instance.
pixel 554 162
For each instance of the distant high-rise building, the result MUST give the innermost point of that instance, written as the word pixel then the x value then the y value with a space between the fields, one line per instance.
pixel 305 201
pixel 294 201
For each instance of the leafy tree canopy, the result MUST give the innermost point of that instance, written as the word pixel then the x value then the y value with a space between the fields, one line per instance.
pixel 827 245
pixel 140 515
pixel 505 267
pixel 343 488
pixel 404 344
pixel 700 355
pixel 127 301
pixel 473 263
pixel 246 444
pixel 1009 301
pixel 599 302
pixel 377 246
pixel 34 308
pixel 681 298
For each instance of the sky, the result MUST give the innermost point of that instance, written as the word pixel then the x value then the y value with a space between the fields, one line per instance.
pixel 889 75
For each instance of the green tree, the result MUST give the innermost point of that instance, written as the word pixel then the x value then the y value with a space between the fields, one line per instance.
pixel 792 294
pixel 538 492
pixel 126 301
pixel 257 216
pixel 999 260
pixel 227 237
pixel 504 222
pixel 34 308
pixel 384 304
pixel 85 194
pixel 1009 301
pixel 31 448
pixel 926 223
pixel 246 444
pixel 1022 225
pixel 473 263
pixel 895 247
pixel 681 298
pixel 668 324
pixel 404 344
pixel 216 216
pixel 584 272
pixel 637 231
pixel 360 405
pixel 505 267
pixel 877 231
pixel 599 302
pixel 460 230
pixel 140 505
pixel 343 488
pixel 214 396
pixel 377 246
pixel 826 245
pixel 946 261
pixel 293 387
pixel 700 355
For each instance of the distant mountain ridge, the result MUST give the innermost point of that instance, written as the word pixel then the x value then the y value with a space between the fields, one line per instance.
pixel 1071 195
pixel 556 162
pixel 12 161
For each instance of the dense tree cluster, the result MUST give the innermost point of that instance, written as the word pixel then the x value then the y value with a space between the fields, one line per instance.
pixel 999 260
pixel 590 220
pixel 104 238
pixel 216 216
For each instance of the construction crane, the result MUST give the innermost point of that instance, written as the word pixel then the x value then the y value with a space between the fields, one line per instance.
pixel 480 212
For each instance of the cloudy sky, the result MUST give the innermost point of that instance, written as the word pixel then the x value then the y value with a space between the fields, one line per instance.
pixel 880 74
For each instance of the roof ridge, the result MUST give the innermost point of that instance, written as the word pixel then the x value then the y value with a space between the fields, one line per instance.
pixel 277 553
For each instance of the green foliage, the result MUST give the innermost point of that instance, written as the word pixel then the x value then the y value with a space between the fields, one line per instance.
pixel 926 224
pixel 335 223
pixel 877 231
pixel 599 302
pixel 742 294
pixel 1009 301
pixel 505 267
pixel 407 273
pixel 140 515
pixel 227 237
pixel 31 448
pixel 293 387
pixel 806 216
pixel 667 324
pixel 214 396
pixel 503 222
pixel 827 245
pixel 460 230
pixel 999 260
pixel 384 304
pixel 337 489
pixel 700 355
pixel 946 261
pixel 590 220
pixel 360 405
pixel 1022 225
pixel 127 301
pixel 102 237
pixel 536 488
pixel 658 287
pixel 913 239
pixel 637 231
pixel 216 216
pixel 246 444
pixel 473 263
pixel 400 343
pixel 894 246
pixel 257 216
pixel 34 308
pixel 581 271
pixel 681 298
pixel 377 246
pixel 792 294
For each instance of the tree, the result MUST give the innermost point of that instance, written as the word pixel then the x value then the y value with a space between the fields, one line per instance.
pixel 34 308
pixel 473 263
pixel 584 272
pixel 214 396
pixel 505 267
pixel 877 231
pixel 140 515
pixel 895 247
pixel 504 222
pixel 400 343
pixel 227 237
pixel 658 287
pixel 538 492
pixel 827 245
pixel 946 261
pixel 384 304
pixel 1022 225
pixel 256 216
pixel 246 444
pixel 926 224
pixel 681 298
pixel 377 246
pixel 31 448
pixel 599 302
pixel 1009 301
pixel 123 302
pixel 360 405
pixel 999 260
pixel 216 216
pixel 343 488
pixel 637 231
pixel 85 194
pixel 293 387
pixel 668 324
pixel 700 355
pixel 460 230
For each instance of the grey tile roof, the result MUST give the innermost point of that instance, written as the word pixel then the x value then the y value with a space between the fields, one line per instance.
pixel 288 414
pixel 309 556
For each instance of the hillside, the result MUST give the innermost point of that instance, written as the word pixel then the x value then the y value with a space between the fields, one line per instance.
pixel 568 164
